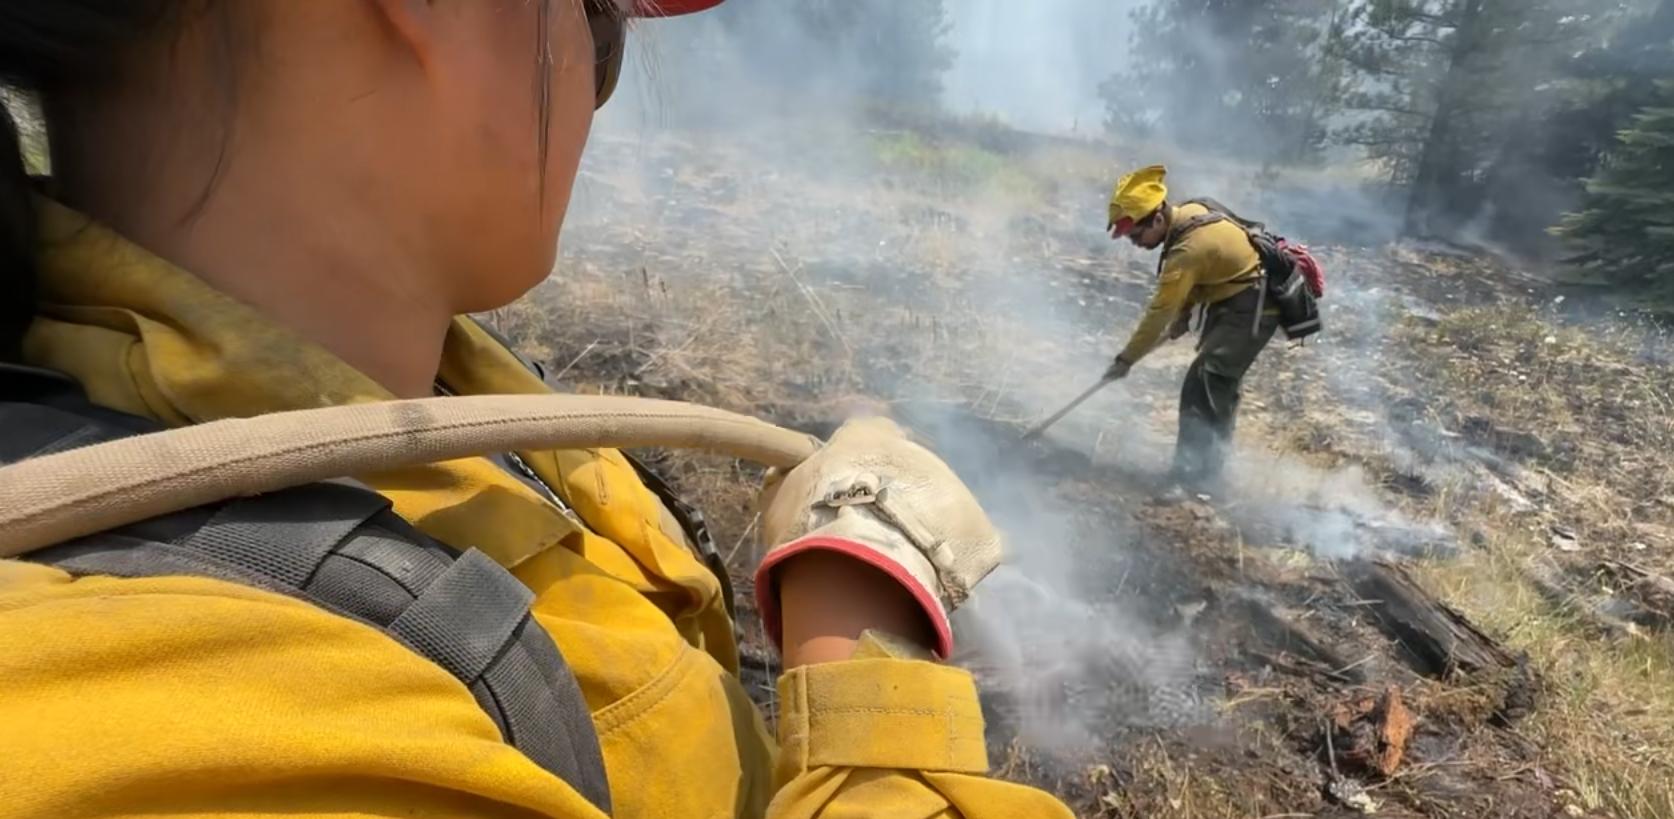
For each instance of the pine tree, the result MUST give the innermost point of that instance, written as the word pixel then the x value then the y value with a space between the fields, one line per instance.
pixel 1566 125
pixel 902 46
pixel 1445 85
pixel 1623 234
pixel 1254 78
pixel 1605 84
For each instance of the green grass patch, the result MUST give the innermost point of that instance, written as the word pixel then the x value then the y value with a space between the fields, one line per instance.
pixel 954 166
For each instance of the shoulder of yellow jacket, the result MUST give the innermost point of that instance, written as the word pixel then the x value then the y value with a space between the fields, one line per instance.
pixel 265 689
pixel 1189 210
pixel 1214 238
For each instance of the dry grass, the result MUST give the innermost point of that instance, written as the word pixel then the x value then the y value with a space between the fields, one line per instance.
pixel 747 318
pixel 1602 409
pixel 1607 719
pixel 1584 412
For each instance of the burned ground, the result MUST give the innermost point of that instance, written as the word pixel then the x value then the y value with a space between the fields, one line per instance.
pixel 1456 440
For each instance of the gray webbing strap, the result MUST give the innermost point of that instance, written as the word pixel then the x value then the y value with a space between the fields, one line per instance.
pixel 35 432
pixel 543 722
pixel 474 621
pixel 118 555
pixel 284 537
pixel 1215 206
pixel 339 547
pixel 1217 213
pixel 466 617
pixel 471 618
pixel 1180 231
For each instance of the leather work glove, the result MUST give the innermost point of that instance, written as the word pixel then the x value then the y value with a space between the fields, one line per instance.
pixel 1119 369
pixel 875 496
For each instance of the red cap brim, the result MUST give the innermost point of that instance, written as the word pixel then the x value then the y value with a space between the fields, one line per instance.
pixel 1122 227
pixel 672 8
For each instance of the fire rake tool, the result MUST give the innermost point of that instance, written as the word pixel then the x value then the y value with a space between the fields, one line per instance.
pixel 1059 415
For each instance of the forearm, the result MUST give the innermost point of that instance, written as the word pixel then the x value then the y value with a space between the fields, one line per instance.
pixel 1173 290
pixel 1149 334
pixel 828 600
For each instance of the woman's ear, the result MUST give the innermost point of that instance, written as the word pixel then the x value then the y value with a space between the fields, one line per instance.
pixel 412 23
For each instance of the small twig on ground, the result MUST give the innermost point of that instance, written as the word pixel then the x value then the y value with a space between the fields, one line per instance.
pixel 576 360
pixel 741 538
pixel 813 301
pixel 1240 534
pixel 1250 695
pixel 1356 664
pixel 667 352
pixel 1301 667
pixel 1005 381
pixel 1418 770
pixel 1330 749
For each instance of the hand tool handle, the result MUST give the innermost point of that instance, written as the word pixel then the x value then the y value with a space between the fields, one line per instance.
pixel 1059 415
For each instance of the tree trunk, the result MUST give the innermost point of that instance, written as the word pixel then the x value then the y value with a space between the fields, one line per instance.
pixel 1326 69
pixel 1438 641
pixel 1438 165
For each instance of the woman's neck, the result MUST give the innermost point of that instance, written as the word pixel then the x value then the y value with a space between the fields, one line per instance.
pixel 285 226
pixel 332 277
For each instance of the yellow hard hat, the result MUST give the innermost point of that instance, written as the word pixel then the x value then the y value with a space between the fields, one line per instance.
pixel 1137 195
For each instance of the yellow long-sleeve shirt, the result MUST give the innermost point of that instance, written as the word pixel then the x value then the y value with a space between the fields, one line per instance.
pixel 196 697
pixel 1210 264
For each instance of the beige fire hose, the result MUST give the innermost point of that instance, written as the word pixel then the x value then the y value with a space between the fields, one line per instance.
pixel 48 500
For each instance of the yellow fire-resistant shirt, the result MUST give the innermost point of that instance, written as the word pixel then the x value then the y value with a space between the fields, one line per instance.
pixel 1210 264
pixel 196 697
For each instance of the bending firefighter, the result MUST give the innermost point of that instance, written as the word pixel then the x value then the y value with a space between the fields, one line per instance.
pixel 1240 283
pixel 270 206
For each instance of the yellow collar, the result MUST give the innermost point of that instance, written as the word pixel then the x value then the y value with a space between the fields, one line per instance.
pixel 145 337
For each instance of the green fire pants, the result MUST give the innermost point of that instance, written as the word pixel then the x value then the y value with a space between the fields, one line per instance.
pixel 1229 343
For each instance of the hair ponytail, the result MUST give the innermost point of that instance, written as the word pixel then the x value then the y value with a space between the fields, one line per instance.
pixel 46 45
pixel 18 273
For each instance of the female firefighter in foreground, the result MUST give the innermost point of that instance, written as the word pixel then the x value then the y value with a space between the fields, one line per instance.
pixel 274 205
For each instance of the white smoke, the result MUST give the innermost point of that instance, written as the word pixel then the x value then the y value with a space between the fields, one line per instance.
pixel 1037 65
pixel 1066 633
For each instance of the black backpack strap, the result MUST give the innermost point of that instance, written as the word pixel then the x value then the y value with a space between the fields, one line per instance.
pixel 1201 220
pixel 46 412
pixel 1256 232
pixel 342 548
pixel 1282 283
pixel 1177 233
pixel 1215 206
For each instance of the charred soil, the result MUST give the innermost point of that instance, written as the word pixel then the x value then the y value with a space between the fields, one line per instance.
pixel 1434 585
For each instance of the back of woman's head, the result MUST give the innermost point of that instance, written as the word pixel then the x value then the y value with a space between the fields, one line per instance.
pixel 47 45
pixel 448 135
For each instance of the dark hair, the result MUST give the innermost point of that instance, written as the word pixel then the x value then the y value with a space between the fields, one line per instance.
pixel 46 45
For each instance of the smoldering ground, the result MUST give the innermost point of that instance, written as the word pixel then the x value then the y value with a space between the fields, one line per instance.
pixel 775 242
pixel 975 290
